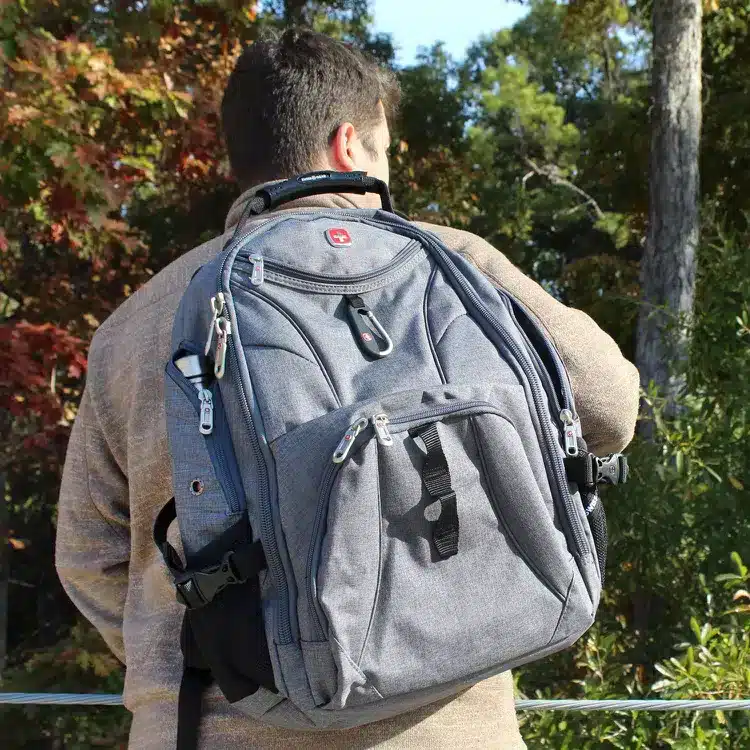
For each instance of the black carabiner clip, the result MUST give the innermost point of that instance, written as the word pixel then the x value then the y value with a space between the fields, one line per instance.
pixel 371 337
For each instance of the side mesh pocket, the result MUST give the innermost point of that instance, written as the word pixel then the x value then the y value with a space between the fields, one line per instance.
pixel 597 518
pixel 223 629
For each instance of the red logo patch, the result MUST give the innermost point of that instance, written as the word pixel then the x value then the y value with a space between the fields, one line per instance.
pixel 366 336
pixel 338 237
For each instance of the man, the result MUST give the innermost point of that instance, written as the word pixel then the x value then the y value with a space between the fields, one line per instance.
pixel 294 104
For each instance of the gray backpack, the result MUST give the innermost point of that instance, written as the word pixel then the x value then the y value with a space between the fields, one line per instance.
pixel 380 484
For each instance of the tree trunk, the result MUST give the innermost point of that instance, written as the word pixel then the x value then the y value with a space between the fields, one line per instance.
pixel 294 12
pixel 668 265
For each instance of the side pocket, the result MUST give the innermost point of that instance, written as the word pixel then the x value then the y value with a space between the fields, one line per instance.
pixel 229 630
pixel 594 508
pixel 207 488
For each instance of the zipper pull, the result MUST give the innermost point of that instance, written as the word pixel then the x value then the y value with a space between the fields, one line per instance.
pixel 383 434
pixel 257 278
pixel 217 306
pixel 207 412
pixel 223 332
pixel 570 432
pixel 343 448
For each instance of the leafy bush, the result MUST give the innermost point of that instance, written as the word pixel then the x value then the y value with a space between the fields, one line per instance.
pixel 672 622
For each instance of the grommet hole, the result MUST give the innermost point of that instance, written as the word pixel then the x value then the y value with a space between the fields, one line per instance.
pixel 197 487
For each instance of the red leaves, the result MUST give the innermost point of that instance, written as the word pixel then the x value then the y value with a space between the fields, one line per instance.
pixel 31 359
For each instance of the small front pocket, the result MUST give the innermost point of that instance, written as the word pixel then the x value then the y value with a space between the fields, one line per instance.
pixel 207 487
pixel 407 615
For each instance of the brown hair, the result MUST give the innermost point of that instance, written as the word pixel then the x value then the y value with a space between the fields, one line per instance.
pixel 287 96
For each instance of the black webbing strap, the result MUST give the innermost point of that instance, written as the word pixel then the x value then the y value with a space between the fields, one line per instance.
pixel 196 677
pixel 196 588
pixel 436 477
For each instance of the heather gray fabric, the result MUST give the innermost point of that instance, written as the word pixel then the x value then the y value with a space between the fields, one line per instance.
pixel 363 619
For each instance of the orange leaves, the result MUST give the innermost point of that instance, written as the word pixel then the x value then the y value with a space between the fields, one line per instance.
pixel 19 114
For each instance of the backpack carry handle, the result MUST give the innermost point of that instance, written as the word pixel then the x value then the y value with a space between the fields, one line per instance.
pixel 313 183
pixel 319 183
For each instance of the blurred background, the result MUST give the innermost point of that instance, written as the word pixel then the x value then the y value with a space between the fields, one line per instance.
pixel 569 135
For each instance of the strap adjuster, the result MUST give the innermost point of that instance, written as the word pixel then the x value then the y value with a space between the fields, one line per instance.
pixel 588 470
pixel 197 588
pixel 612 469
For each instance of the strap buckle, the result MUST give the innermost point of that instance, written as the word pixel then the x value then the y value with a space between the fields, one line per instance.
pixel 197 588
pixel 612 469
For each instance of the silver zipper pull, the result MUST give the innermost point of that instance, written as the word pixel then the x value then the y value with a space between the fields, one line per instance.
pixel 223 332
pixel 343 448
pixel 217 306
pixel 257 278
pixel 383 434
pixel 570 432
pixel 207 412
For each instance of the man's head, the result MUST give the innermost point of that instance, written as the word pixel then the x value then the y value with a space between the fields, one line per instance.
pixel 302 101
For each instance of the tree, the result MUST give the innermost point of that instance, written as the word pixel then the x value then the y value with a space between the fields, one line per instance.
pixel 669 260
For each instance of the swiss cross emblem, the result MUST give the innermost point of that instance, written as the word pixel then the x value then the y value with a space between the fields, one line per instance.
pixel 338 237
pixel 366 336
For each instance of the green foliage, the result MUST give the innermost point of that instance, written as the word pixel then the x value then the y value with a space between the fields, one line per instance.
pixel 672 622
pixel 78 663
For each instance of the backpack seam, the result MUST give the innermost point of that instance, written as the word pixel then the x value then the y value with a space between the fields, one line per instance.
pixel 501 519
pixel 305 338
pixel 428 331
pixel 380 562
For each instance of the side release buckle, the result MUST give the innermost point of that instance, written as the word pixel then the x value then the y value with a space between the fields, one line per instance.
pixel 612 469
pixel 197 588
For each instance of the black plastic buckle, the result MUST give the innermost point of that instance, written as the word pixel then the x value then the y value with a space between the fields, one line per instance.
pixel 612 469
pixel 196 589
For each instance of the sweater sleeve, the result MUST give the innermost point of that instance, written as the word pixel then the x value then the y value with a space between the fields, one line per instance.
pixel 605 384
pixel 93 537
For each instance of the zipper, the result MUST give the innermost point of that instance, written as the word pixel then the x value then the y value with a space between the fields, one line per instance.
pixel 382 433
pixel 260 264
pixel 571 424
pixel 268 536
pixel 565 408
pixel 572 427
pixel 256 279
pixel 326 487
pixel 273 558
pixel 346 442
pixel 206 421
pixel 217 307
pixel 214 442
pixel 223 332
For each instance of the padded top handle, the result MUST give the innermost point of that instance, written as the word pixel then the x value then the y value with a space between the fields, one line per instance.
pixel 319 183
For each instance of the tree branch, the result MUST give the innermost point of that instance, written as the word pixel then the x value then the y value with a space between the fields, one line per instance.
pixel 552 173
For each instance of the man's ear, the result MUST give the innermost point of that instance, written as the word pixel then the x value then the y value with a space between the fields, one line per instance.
pixel 342 151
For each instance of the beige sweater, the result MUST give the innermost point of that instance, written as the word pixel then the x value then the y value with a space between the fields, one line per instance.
pixel 117 477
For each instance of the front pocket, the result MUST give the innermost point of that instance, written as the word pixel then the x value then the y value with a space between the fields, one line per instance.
pixel 407 617
pixel 207 486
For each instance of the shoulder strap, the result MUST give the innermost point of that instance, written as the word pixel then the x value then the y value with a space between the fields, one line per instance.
pixel 196 677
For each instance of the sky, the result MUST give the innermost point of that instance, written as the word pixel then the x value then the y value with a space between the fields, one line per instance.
pixel 458 23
